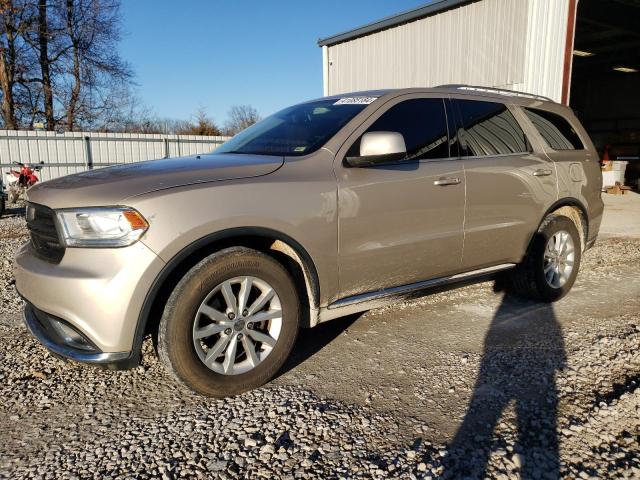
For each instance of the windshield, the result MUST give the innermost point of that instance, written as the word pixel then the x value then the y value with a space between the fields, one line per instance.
pixel 296 130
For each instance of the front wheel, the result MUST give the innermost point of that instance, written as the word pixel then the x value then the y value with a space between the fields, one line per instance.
pixel 230 323
pixel 551 265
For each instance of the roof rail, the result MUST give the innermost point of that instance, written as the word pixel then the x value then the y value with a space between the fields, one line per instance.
pixel 498 91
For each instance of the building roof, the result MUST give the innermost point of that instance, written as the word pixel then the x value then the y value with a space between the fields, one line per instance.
pixel 431 8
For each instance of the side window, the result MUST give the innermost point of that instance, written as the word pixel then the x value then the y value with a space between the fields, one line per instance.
pixel 489 128
pixel 422 123
pixel 556 131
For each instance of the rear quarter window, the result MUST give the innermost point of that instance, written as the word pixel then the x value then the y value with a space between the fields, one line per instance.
pixel 555 130
pixel 489 128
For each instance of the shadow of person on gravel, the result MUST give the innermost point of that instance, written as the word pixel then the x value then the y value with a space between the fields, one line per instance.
pixel 523 349
pixel 311 340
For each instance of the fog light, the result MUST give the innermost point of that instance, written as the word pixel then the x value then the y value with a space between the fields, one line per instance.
pixel 71 336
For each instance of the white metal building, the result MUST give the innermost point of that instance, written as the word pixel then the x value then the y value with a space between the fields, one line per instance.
pixel 515 44
pixel 583 53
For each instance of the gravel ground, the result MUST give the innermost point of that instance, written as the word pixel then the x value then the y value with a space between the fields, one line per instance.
pixel 518 389
pixel 13 233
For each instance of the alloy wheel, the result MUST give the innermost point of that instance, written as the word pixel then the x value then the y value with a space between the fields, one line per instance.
pixel 559 256
pixel 237 325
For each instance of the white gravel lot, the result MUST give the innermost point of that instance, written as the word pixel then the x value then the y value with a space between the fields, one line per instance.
pixel 523 389
pixel 13 233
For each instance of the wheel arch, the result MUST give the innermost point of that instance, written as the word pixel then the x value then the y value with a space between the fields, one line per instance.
pixel 579 217
pixel 294 257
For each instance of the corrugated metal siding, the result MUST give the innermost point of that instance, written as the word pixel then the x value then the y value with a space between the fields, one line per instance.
pixel 481 43
pixel 545 48
pixel 515 44
pixel 73 152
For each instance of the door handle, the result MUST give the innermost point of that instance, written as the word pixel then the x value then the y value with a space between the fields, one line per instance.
pixel 542 172
pixel 447 181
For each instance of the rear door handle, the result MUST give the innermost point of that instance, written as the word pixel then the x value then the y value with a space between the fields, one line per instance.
pixel 446 181
pixel 542 172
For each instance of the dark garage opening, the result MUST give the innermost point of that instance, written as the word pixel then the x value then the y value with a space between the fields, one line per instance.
pixel 605 80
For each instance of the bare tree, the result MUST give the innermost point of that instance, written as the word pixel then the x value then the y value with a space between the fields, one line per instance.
pixel 43 47
pixel 17 17
pixel 7 63
pixel 94 69
pixel 200 125
pixel 128 113
pixel 58 63
pixel 240 117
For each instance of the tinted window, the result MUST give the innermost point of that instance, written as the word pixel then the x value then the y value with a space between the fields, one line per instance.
pixel 489 129
pixel 421 122
pixel 296 130
pixel 557 132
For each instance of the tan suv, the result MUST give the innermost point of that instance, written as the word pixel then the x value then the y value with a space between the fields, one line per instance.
pixel 326 208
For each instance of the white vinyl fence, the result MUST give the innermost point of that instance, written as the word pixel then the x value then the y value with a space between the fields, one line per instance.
pixel 72 152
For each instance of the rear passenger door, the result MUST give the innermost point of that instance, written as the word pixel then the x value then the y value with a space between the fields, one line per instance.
pixel 508 187
pixel 396 225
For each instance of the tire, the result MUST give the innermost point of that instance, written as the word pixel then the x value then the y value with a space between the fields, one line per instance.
pixel 184 355
pixel 2 205
pixel 530 280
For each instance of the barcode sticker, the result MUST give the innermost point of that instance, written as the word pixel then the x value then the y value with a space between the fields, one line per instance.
pixel 356 101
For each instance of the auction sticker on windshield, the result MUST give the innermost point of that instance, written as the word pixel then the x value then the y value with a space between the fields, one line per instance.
pixel 356 101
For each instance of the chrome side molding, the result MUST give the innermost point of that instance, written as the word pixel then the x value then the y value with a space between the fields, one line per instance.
pixel 379 298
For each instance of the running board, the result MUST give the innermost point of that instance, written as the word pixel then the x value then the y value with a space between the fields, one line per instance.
pixel 367 301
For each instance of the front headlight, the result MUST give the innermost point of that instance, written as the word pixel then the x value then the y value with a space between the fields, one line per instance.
pixel 101 227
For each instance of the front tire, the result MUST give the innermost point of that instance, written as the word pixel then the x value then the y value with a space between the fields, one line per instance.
pixel 551 266
pixel 230 323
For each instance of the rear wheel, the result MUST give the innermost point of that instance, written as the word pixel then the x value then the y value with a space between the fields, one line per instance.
pixel 2 205
pixel 230 323
pixel 551 266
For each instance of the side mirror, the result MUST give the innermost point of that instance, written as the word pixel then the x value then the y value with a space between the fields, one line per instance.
pixel 377 148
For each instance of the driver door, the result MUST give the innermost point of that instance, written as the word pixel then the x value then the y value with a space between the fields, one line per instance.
pixel 401 222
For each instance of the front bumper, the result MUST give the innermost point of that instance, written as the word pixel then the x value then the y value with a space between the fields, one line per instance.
pixel 98 293
pixel 41 326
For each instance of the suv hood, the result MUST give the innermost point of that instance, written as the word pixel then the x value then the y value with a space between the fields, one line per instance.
pixel 110 186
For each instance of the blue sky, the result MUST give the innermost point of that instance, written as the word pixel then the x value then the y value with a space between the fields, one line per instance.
pixel 214 54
